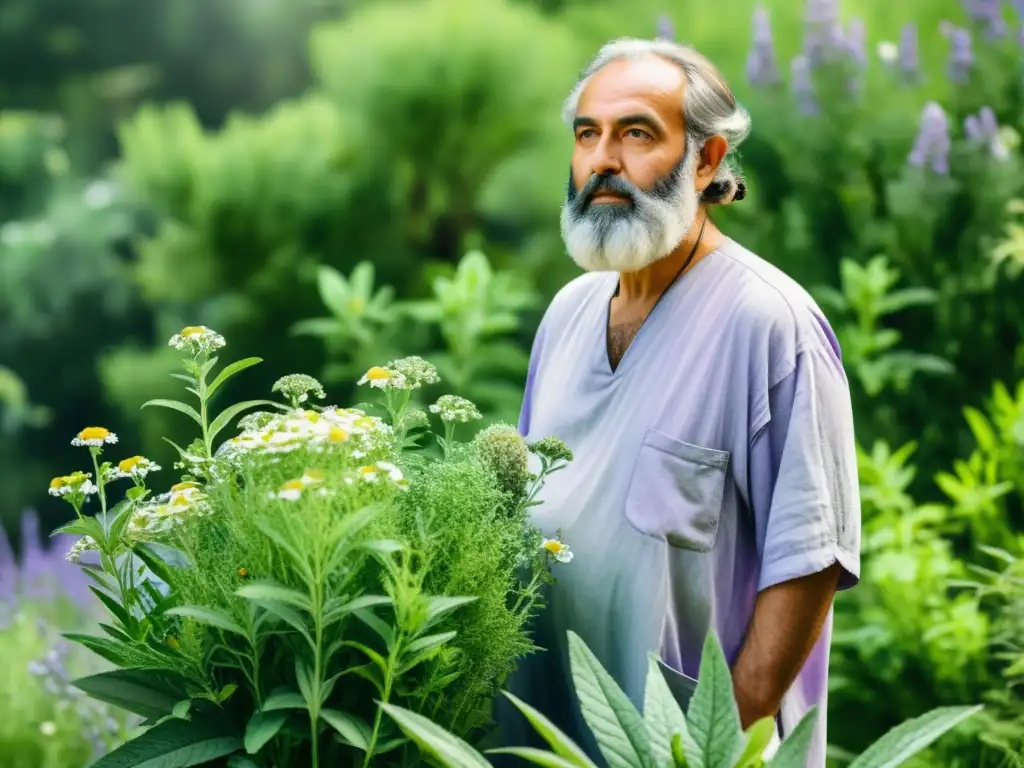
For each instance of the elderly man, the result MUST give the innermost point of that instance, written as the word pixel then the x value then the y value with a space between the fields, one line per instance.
pixel 714 486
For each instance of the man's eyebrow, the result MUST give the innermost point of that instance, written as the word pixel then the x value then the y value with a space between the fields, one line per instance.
pixel 638 119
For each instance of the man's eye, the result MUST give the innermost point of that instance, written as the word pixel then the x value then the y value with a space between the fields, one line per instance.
pixel 637 133
pixel 586 133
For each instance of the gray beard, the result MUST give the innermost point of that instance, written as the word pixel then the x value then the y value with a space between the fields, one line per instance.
pixel 628 238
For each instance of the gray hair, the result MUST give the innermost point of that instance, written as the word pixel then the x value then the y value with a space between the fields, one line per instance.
pixel 709 106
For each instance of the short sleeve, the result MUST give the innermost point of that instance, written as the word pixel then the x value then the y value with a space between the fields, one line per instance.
pixel 531 377
pixel 803 485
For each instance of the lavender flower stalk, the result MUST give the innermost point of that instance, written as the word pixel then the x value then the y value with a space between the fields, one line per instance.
pixel 988 15
pixel 961 52
pixel 931 147
pixel 908 62
pixel 666 30
pixel 982 130
pixel 823 33
pixel 802 85
pixel 762 64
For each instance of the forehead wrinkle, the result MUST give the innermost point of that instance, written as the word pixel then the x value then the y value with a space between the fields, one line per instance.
pixel 629 86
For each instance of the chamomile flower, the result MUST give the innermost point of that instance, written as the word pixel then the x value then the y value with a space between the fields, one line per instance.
pixel 379 470
pixel 293 489
pixel 94 437
pixel 558 550
pixel 454 408
pixel 196 339
pixel 414 371
pixel 380 378
pixel 75 483
pixel 136 468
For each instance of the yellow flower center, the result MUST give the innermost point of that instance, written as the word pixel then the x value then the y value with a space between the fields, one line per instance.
pixel 378 374
pixel 58 482
pixel 127 465
pixel 183 487
pixel 193 330
pixel 293 485
pixel 180 501
pixel 312 416
pixel 554 547
pixel 337 435
pixel 313 476
pixel 94 433
pixel 368 470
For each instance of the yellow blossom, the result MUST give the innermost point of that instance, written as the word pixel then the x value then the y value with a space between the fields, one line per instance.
pixel 558 550
pixel 94 437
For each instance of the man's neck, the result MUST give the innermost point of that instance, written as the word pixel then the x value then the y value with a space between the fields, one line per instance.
pixel 647 284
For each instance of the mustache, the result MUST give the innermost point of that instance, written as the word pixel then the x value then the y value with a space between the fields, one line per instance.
pixel 662 189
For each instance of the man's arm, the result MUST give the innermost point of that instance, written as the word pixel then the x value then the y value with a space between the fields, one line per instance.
pixel 787 621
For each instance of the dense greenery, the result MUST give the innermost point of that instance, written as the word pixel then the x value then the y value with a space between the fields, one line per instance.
pixel 355 182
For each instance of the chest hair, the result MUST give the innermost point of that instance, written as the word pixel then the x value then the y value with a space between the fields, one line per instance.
pixel 620 336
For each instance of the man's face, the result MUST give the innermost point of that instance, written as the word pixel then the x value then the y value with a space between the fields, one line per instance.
pixel 631 196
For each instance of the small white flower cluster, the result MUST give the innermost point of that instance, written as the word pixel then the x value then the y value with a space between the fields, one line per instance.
pixel 297 387
pixel 410 372
pixel 329 429
pixel 313 480
pixel 196 339
pixel 558 550
pixel 135 468
pixel 84 544
pixel 454 408
pixel 94 437
pixel 75 483
pixel 182 502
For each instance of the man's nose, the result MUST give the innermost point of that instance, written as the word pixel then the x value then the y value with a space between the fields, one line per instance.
pixel 605 160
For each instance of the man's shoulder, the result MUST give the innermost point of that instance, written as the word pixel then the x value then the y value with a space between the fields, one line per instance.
pixel 571 296
pixel 772 306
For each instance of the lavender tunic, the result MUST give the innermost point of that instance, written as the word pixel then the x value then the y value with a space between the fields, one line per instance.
pixel 716 461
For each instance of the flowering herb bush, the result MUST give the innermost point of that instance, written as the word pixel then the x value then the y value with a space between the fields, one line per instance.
pixel 311 566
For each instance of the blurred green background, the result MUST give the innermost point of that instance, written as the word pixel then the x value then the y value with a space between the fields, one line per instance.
pixel 333 184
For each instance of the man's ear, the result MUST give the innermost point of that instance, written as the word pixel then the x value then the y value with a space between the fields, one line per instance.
pixel 711 156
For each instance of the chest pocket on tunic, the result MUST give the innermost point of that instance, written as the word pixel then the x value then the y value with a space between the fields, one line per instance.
pixel 675 493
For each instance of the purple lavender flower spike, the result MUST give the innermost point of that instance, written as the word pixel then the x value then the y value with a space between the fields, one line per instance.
pixel 666 29
pixel 803 85
pixel 961 52
pixel 855 42
pixel 983 130
pixel 931 146
pixel 908 61
pixel 988 15
pixel 762 65
pixel 8 570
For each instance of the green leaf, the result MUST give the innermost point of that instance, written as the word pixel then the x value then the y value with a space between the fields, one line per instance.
pixel 715 734
pixel 352 730
pixel 981 428
pixel 212 616
pixel 617 727
pixel 233 411
pixel 422 649
pixel 174 405
pixel 370 619
pixel 174 744
pixel 535 756
pixel 795 747
pixel 262 727
pixel 115 608
pixel 288 615
pixel 563 746
pixel 159 568
pixel 759 736
pixel 84 526
pixel 662 714
pixel 913 736
pixel 230 370
pixel 439 607
pixel 144 692
pixel 238 761
pixel 262 591
pixel 300 561
pixel 182 708
pixel 446 748
pixel 359 603
pixel 283 699
pixel 108 649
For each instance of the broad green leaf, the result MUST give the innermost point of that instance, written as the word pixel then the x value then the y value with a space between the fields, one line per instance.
pixel 535 756
pixel 288 615
pixel 115 633
pixel 238 761
pixel 283 699
pixel 159 568
pixel 759 736
pixel 261 591
pixel 213 617
pixel 115 608
pixel 230 370
pixel 423 649
pixel 304 678
pixel 148 693
pixel 359 603
pixel 439 607
pixel 84 526
pixel 715 734
pixel 797 744
pixel 174 744
pixel 182 708
pixel 352 730
pixel 370 619
pixel 662 714
pixel 333 289
pixel 617 727
pixel 108 649
pixel 262 727
pixel 446 748
pixel 233 411
pixel 913 736
pixel 174 405
pixel 563 746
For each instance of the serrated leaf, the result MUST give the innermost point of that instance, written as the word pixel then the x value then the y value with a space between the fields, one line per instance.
pixel 446 748
pixel 662 714
pixel 563 746
pixel 715 734
pixel 795 747
pixel 230 370
pixel 173 744
pixel 262 727
pixel 617 727
pixel 211 616
pixel 352 730
pixel 912 737
pixel 174 405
